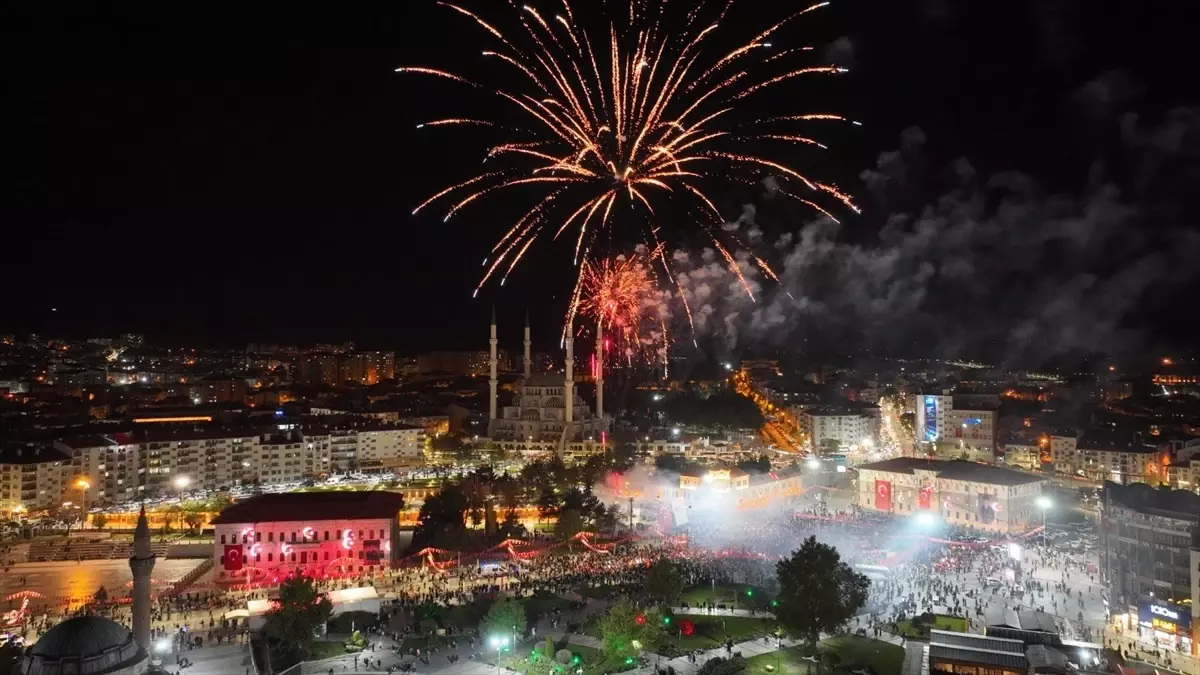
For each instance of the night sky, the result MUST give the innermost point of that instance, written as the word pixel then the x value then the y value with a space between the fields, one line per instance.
pixel 223 177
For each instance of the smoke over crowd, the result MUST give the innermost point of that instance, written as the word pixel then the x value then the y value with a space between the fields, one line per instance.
pixel 967 264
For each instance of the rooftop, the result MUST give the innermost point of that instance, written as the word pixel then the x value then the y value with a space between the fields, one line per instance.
pixel 956 469
pixel 309 506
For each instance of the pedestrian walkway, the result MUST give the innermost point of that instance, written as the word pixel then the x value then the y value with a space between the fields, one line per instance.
pixel 705 611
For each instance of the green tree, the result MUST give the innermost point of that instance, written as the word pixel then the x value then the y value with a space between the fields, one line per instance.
pixel 663 582
pixel 194 520
pixel 818 592
pixel 511 527
pixel 505 618
pixel 624 635
pixel 440 521
pixel 760 464
pixel 570 523
pixel 99 520
pixel 548 503
pixel 290 625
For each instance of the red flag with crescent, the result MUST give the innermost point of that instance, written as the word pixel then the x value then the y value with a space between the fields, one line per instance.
pixel 925 497
pixel 233 558
pixel 883 495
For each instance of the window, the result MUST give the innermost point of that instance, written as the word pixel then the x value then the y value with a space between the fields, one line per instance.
pixel 293 537
pixel 258 536
pixel 270 538
pixel 270 556
pixel 222 557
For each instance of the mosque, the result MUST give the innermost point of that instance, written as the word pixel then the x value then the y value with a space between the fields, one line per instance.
pixel 546 415
pixel 94 645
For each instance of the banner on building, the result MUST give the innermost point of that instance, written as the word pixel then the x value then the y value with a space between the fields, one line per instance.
pixel 925 496
pixel 883 495
pixel 233 557
pixel 372 551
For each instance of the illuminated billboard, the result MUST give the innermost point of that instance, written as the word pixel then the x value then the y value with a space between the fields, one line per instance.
pixel 930 418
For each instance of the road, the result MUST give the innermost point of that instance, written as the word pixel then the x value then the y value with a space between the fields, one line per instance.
pixel 780 428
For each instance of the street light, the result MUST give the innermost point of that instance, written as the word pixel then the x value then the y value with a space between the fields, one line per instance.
pixel 499 642
pixel 1044 503
pixel 83 486
pixel 813 463
pixel 181 482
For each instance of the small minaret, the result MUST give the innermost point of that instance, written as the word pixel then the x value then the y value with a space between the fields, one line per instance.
pixel 141 564
pixel 600 370
pixel 528 346
pixel 492 363
pixel 569 381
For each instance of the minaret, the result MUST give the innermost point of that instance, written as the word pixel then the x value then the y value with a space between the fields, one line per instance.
pixel 528 345
pixel 141 564
pixel 599 371
pixel 492 362
pixel 569 382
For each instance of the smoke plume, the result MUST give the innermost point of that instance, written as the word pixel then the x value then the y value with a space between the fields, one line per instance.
pixel 992 266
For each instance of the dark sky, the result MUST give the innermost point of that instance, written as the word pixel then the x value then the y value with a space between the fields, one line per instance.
pixel 223 177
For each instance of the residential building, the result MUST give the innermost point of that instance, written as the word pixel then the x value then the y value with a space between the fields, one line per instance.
pixel 834 428
pixel 158 460
pixel 1147 542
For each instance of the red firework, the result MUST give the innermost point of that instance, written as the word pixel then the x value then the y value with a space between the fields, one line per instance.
pixel 621 295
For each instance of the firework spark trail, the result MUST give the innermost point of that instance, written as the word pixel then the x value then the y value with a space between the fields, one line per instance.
pixel 619 112
pixel 615 293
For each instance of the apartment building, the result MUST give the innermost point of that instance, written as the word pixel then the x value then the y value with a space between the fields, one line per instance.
pixel 115 468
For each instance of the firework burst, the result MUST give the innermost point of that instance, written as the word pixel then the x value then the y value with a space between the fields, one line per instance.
pixel 625 110
pixel 620 295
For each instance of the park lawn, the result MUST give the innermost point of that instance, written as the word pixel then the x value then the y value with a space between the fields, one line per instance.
pixel 940 622
pixel 542 603
pixel 322 649
pixel 712 631
pixel 853 652
pixel 724 594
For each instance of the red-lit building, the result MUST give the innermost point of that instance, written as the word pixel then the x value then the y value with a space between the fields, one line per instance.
pixel 321 534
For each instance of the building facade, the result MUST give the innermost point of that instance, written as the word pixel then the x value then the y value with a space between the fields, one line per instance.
pixel 967 426
pixel 837 428
pixel 323 535
pixel 1147 561
pixel 958 492
pixel 99 470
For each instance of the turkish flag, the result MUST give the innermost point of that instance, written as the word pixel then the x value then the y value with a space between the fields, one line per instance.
pixel 924 497
pixel 883 495
pixel 233 558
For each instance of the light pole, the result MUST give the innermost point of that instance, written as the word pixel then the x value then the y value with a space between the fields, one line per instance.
pixel 499 642
pixel 1044 503
pixel 83 485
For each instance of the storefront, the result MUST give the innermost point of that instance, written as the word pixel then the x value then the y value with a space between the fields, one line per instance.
pixel 1165 625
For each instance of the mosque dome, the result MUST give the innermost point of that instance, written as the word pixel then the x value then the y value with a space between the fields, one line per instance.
pixel 86 645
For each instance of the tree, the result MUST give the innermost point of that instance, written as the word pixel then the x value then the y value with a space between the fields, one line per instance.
pixel 290 625
pixel 548 503
pixel 506 617
pixel 511 527
pixel 101 595
pixel 99 520
pixel 625 634
pixel 194 520
pixel 818 592
pixel 760 464
pixel 440 521
pixel 663 581
pixel 570 523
